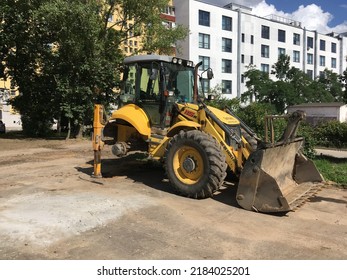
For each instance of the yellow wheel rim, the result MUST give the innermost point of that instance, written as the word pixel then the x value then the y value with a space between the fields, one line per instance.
pixel 188 165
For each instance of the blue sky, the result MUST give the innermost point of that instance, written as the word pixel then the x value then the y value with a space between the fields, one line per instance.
pixel 322 15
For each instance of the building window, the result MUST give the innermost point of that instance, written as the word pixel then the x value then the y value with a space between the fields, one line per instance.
pixel 281 35
pixel 205 62
pixel 242 58
pixel 226 66
pixel 321 74
pixel 251 61
pixel 321 60
pixel 333 47
pixel 265 32
pixel 333 62
pixel 309 58
pixel 242 79
pixel 265 50
pixel 322 45
pixel 281 51
pixel 226 87
pixel 169 10
pixel 227 23
pixel 243 37
pixel 204 18
pixel 265 68
pixel 296 39
pixel 310 74
pixel 296 56
pixel 204 41
pixel 252 39
pixel 309 43
pixel 226 45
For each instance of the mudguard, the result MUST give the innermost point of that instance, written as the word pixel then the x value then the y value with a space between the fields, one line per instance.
pixel 135 116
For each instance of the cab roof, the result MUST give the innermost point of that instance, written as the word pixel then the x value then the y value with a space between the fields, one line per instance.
pixel 150 57
pixel 155 57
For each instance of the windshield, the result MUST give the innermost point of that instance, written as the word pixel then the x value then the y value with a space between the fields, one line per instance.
pixel 147 81
pixel 179 81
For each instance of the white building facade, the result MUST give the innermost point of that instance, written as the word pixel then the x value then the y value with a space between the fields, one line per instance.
pixel 230 38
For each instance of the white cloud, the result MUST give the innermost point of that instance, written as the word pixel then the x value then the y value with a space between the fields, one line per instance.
pixel 312 17
pixel 263 9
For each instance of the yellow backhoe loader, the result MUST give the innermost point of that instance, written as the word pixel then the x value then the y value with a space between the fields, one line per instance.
pixel 160 106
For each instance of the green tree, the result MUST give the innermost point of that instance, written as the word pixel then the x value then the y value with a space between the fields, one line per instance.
pixel 21 49
pixel 146 23
pixel 281 67
pixel 292 86
pixel 66 54
pixel 257 84
pixel 343 81
pixel 332 84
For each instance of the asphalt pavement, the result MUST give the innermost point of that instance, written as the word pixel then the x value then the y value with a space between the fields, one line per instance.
pixel 332 153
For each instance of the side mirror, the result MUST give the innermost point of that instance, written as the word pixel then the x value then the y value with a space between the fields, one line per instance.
pixel 209 74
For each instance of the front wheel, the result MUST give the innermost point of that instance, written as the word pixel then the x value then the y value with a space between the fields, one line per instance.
pixel 194 164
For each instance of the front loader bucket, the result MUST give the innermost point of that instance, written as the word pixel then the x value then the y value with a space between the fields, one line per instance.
pixel 277 179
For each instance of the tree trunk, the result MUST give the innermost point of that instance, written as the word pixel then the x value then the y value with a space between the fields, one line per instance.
pixel 68 130
pixel 79 131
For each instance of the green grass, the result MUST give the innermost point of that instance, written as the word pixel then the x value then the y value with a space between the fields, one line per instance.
pixel 333 169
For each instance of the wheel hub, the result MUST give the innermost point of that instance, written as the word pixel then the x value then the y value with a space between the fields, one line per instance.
pixel 189 164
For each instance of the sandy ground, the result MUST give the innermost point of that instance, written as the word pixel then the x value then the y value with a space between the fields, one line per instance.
pixel 51 208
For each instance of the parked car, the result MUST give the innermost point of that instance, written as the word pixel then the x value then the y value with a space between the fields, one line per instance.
pixel 2 127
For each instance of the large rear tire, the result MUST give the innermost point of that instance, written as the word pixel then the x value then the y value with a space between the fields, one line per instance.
pixel 195 164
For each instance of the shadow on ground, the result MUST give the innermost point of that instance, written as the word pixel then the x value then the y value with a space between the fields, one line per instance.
pixel 138 168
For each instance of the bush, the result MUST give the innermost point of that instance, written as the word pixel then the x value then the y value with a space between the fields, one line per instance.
pixel 254 116
pixel 331 134
pixel 36 125
pixel 307 131
pixel 221 103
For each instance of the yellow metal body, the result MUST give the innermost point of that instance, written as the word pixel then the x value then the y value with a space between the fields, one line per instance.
pixel 98 144
pixel 198 142
pixel 191 117
pixel 264 185
pixel 136 117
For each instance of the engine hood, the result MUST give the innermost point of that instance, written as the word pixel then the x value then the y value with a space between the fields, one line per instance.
pixel 223 116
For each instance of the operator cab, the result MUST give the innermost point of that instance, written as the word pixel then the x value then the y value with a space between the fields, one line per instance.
pixel 155 83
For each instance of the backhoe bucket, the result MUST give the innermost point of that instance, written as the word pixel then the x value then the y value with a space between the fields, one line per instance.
pixel 277 179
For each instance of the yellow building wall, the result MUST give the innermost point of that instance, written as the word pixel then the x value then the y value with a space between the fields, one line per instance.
pixel 133 45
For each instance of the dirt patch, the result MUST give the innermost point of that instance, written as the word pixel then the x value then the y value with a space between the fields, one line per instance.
pixel 51 208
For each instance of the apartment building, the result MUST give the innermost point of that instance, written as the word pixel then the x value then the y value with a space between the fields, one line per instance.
pixel 133 45
pixel 230 38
